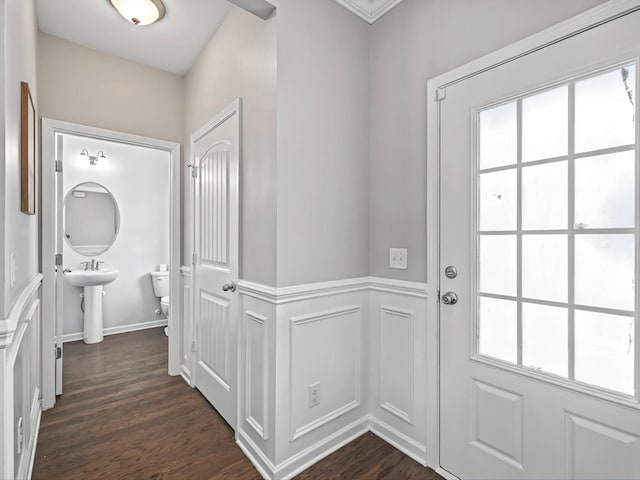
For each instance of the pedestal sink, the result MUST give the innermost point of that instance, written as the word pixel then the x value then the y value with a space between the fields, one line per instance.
pixel 92 281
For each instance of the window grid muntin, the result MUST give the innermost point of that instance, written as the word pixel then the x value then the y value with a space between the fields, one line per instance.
pixel 570 232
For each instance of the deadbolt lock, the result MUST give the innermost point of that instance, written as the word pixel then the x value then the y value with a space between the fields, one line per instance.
pixel 451 272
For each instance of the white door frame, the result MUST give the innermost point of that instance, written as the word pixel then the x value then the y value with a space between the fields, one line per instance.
pixel 436 89
pixel 49 129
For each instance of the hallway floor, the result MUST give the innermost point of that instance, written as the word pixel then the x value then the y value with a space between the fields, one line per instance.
pixel 122 417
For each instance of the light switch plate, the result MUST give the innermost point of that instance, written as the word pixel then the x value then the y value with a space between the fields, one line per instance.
pixel 398 258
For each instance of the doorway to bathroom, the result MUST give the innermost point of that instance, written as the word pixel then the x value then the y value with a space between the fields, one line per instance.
pixel 111 240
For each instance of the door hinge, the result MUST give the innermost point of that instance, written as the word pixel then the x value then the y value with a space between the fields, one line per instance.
pixel 441 94
pixel 438 296
pixel 58 165
pixel 193 346
pixel 58 353
pixel 194 258
pixel 58 259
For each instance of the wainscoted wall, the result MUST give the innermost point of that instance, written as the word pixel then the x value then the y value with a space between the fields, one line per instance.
pixel 20 383
pixel 398 364
pixel 359 342
pixel 187 334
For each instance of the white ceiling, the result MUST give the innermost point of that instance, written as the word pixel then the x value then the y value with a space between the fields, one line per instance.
pixel 172 44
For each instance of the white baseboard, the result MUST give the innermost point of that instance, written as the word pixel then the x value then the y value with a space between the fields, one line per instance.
pixel 255 455
pixel 134 327
pixel 399 440
pixel 313 454
pixel 304 459
pixel 186 375
pixel 443 473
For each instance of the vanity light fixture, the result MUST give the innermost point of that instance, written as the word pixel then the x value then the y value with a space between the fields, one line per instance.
pixel 140 12
pixel 93 159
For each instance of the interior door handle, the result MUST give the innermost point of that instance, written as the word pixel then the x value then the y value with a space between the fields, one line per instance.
pixel 229 287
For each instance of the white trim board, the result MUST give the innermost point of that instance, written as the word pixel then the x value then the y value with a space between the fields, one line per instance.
pixel 298 293
pixel 296 464
pixel 8 325
pixel 369 10
pixel 436 88
pixel 29 461
pixel 134 327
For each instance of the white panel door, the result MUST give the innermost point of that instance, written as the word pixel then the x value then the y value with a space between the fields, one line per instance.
pixel 539 188
pixel 215 153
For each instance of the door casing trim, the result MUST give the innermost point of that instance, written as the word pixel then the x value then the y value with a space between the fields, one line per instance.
pixel 49 129
pixel 436 93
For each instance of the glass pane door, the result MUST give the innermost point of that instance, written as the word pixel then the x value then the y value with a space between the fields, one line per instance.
pixel 556 231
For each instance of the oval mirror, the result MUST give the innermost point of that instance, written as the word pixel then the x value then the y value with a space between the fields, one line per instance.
pixel 91 219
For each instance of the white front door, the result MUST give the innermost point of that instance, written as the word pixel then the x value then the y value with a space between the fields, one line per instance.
pixel 539 188
pixel 215 154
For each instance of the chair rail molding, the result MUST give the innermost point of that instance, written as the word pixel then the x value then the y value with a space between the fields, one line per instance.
pixel 9 325
pixel 297 293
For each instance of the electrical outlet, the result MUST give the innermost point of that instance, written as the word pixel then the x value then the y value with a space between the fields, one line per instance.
pixel 314 394
pixel 398 258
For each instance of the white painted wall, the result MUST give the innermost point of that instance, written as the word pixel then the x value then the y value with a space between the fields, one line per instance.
pixel 20 232
pixel 80 85
pixel 323 142
pixel 20 366
pixel 138 178
pixel 415 41
pixel 240 61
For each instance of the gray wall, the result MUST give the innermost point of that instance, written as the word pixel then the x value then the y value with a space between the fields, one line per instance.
pixel 80 85
pixel 323 142
pixel 414 42
pixel 240 61
pixel 19 232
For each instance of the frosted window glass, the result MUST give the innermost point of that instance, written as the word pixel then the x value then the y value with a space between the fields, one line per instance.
pixel 544 267
pixel 604 269
pixel 605 191
pixel 498 264
pixel 498 136
pixel 544 196
pixel 498 200
pixel 545 125
pixel 605 112
pixel 604 350
pixel 498 329
pixel 544 338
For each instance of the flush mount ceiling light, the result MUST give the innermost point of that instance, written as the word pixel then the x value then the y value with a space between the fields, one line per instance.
pixel 140 12
pixel 93 159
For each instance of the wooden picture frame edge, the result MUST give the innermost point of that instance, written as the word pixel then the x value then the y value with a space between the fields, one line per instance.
pixel 27 154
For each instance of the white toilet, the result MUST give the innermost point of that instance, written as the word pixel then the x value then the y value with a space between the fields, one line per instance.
pixel 160 281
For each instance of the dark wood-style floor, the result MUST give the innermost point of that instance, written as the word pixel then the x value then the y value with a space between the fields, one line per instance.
pixel 122 417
